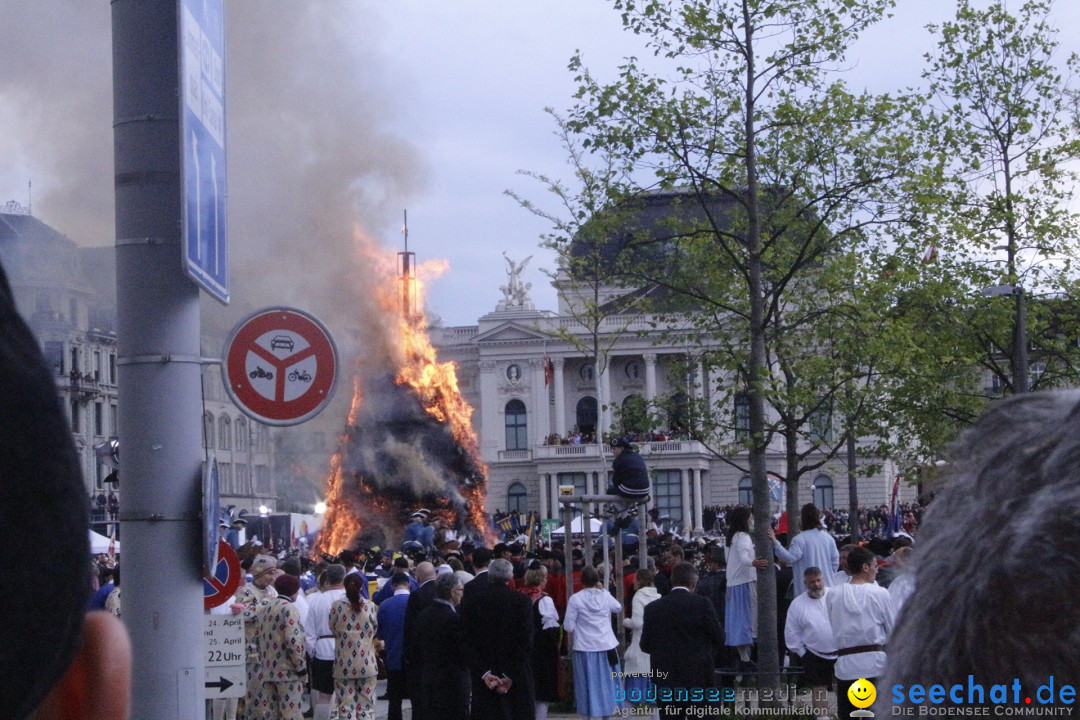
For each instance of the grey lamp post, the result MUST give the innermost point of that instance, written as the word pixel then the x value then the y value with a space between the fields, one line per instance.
pixel 1018 359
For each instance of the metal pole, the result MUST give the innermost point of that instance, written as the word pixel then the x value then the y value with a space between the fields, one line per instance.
pixel 160 418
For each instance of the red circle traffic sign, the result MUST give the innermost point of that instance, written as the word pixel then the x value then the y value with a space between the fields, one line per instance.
pixel 226 580
pixel 280 366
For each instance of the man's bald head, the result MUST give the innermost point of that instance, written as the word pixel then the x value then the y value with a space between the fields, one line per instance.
pixel 425 571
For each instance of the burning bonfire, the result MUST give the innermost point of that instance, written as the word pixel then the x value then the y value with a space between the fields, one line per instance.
pixel 409 440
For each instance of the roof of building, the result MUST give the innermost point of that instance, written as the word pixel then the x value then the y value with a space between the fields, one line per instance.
pixel 20 226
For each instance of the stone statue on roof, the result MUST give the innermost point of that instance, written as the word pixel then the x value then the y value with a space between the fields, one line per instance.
pixel 515 292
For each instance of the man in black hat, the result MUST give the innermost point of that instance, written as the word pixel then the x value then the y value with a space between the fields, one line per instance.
pixel 629 478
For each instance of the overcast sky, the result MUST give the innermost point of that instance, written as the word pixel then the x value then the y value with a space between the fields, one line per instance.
pixel 427 106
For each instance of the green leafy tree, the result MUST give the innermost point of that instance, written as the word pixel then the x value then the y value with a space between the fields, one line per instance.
pixel 1009 129
pixel 778 166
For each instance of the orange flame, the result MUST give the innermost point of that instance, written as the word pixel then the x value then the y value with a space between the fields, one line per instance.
pixel 435 384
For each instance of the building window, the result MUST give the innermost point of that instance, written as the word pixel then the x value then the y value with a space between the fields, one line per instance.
pixel 262 477
pixel 823 491
pixel 577 479
pixel 208 431
pixel 114 420
pixel 99 418
pixel 667 494
pixel 225 433
pixel 112 368
pixel 262 438
pixel 74 358
pixel 746 490
pixel 54 355
pixel 634 416
pixel 586 415
pixel 821 423
pixel 76 426
pixel 97 366
pixel 742 417
pixel 517 430
pixel 517 498
pixel 241 434
pixel 679 413
pixel 225 478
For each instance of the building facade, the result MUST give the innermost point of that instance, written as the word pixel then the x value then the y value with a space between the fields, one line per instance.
pixel 540 402
pixel 67 295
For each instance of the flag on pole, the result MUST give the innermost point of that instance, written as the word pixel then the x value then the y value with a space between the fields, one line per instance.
pixel 112 546
pixel 549 370
pixel 930 255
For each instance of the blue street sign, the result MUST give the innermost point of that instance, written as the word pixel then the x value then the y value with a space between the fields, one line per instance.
pixel 202 127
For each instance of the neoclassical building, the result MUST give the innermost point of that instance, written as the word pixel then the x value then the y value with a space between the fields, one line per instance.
pixel 532 382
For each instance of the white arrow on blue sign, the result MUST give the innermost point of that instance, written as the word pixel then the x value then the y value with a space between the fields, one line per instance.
pixel 202 128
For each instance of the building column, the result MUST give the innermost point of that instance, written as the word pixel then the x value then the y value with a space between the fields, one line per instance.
pixel 695 480
pixel 604 401
pixel 553 488
pixel 543 496
pixel 701 380
pixel 492 417
pixel 685 483
pixel 541 412
pixel 560 397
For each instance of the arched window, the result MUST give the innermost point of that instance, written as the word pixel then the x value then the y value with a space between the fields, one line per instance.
pixel 634 415
pixel 241 434
pixel 586 415
pixel 746 490
pixel 823 491
pixel 517 498
pixel 225 433
pixel 679 413
pixel 208 431
pixel 517 429
pixel 742 417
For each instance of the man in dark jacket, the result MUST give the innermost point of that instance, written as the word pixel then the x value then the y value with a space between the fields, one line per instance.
pixel 497 623
pixel 417 603
pixel 682 635
pixel 443 669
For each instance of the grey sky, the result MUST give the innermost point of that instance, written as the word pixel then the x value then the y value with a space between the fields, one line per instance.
pixel 343 113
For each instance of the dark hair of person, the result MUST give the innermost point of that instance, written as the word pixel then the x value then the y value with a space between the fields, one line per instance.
pixel 643 577
pixel 810 518
pixel 811 571
pixel 400 580
pixel 481 557
pixel 683 575
pixel 738 521
pixel 857 558
pixel 46 508
pixel 353 585
pixel 589 577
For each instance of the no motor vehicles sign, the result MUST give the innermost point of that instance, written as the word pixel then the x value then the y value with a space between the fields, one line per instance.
pixel 280 366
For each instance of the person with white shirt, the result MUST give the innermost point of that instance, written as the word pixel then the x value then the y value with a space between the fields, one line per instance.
pixel 862 618
pixel 320 639
pixel 808 634
pixel 588 618
pixel 812 547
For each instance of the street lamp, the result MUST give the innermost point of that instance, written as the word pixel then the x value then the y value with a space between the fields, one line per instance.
pixel 263 510
pixel 1018 359
pixel 320 508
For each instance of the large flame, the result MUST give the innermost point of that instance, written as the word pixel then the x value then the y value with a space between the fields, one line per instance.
pixel 355 502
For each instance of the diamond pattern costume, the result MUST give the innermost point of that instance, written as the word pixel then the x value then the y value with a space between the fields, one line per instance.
pixel 355 669
pixel 282 660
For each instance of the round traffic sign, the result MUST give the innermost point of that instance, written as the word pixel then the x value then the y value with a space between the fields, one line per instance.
pixel 226 580
pixel 280 366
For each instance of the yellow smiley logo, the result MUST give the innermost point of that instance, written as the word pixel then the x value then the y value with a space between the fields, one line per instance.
pixel 862 693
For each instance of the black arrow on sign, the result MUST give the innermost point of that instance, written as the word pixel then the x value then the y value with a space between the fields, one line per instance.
pixel 222 684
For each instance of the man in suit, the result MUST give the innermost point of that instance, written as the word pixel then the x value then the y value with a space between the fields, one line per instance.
pixel 498 627
pixel 443 670
pixel 682 636
pixel 481 559
pixel 391 631
pixel 417 603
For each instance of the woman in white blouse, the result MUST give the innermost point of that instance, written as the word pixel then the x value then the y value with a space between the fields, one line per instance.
pixel 596 662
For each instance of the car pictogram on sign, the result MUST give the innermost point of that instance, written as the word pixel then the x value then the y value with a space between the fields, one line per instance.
pixel 282 341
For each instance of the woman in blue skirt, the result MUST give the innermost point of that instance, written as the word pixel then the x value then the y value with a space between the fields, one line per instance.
pixel 740 608
pixel 597 674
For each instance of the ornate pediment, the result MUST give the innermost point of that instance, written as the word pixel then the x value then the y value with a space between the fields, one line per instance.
pixel 510 333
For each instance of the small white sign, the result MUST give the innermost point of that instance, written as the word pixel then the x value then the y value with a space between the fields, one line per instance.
pixel 223 654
